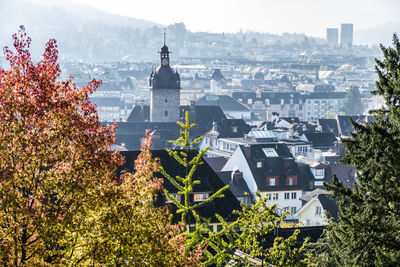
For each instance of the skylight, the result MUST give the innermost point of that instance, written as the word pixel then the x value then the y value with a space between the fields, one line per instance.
pixel 270 152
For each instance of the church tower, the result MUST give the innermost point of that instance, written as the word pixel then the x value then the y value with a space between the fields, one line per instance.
pixel 165 86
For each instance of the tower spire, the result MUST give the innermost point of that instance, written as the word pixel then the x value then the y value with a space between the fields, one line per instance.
pixel 165 35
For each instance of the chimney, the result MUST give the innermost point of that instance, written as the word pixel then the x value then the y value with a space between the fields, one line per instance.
pixel 215 126
pixel 247 153
pixel 237 176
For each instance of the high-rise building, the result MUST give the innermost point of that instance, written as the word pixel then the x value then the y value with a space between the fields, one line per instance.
pixel 346 35
pixel 332 36
pixel 165 91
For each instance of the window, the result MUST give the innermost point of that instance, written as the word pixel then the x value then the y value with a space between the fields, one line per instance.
pixel 272 181
pixel 200 197
pixel 176 196
pixel 268 196
pixel 259 164
pixel 319 172
pixel 235 129
pixel 287 195
pixel 291 180
pixel 166 100
pixel 275 196
pixel 165 113
pixel 318 210
pixel 294 195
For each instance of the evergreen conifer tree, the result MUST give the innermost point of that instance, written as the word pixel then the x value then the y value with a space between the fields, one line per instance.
pixel 352 103
pixel 368 228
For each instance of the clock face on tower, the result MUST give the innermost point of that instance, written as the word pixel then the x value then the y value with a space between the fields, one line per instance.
pixel 164 62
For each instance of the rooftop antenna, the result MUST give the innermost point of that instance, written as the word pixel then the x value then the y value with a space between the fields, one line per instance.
pixel 165 35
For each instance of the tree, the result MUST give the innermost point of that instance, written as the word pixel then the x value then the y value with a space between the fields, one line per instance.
pixel 185 186
pixel 54 156
pixel 255 222
pixel 367 232
pixel 60 200
pixel 249 234
pixel 131 230
pixel 352 104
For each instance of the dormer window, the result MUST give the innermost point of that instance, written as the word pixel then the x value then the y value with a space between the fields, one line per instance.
pixel 319 172
pixel 272 181
pixel 200 197
pixel 291 180
pixel 259 164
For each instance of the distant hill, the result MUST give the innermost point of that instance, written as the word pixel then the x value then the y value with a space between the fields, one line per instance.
pixel 379 34
pixel 76 27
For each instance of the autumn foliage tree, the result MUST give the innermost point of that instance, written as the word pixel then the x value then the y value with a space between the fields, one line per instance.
pixel 60 201
pixel 130 229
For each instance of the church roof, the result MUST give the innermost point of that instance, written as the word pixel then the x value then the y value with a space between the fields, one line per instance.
pixel 165 78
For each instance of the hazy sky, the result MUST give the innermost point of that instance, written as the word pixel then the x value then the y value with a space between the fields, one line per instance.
pixel 275 16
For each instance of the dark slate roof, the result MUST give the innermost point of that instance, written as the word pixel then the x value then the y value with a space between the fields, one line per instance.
pixel 209 183
pixel 237 186
pixel 329 126
pixel 305 172
pixel 303 127
pixel 203 116
pixel 244 95
pixel 164 77
pixel 273 166
pixel 139 114
pixel 321 140
pixel 217 75
pixel 131 133
pixel 225 128
pixel 345 126
pixel 345 173
pixel 313 232
pixel 227 103
pixel 329 205
pixel 216 163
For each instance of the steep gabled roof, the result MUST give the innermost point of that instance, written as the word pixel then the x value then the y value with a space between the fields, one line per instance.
pixel 209 183
pixel 277 160
pixel 329 126
pixel 227 103
pixel 321 140
pixel 345 126
pixel 329 205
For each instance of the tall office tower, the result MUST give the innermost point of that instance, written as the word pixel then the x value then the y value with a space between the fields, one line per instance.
pixel 346 35
pixel 332 36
